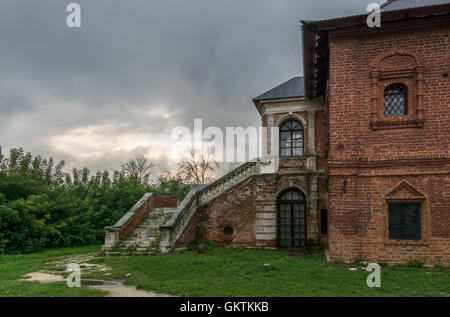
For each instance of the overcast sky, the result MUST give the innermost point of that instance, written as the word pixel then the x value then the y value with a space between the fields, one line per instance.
pixel 95 95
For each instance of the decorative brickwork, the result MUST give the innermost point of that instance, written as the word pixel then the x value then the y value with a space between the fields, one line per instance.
pixel 369 165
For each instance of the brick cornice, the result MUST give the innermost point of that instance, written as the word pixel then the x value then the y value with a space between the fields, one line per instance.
pixel 388 173
pixel 392 27
pixel 402 163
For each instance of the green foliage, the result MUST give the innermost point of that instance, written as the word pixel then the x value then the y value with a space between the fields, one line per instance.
pixel 415 263
pixel 42 207
pixel 358 261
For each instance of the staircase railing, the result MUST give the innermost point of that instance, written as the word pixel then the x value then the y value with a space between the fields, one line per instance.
pixel 114 234
pixel 200 195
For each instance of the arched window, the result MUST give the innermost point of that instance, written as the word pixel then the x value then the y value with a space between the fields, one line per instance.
pixel 396 100
pixel 291 138
pixel 291 195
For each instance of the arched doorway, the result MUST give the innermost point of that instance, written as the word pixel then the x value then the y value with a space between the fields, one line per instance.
pixel 291 219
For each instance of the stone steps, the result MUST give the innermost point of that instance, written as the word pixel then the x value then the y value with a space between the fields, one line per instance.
pixel 143 240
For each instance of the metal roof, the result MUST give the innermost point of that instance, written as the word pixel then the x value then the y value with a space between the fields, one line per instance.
pixel 294 87
pixel 393 5
pixel 388 6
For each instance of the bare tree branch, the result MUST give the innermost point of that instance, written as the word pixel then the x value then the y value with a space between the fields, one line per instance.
pixel 138 167
pixel 197 168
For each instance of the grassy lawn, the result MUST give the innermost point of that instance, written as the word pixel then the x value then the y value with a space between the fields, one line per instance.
pixel 226 272
pixel 244 272
pixel 13 267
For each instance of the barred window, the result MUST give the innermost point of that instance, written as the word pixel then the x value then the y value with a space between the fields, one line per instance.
pixel 405 221
pixel 396 100
pixel 291 138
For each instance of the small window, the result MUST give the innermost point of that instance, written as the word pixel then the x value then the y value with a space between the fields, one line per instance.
pixel 291 138
pixel 396 100
pixel 324 221
pixel 405 221
pixel 228 231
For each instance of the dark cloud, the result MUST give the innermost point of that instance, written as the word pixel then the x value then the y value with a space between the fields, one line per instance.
pixel 143 67
pixel 11 103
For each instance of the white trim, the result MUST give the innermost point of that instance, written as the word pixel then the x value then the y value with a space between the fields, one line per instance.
pixel 291 116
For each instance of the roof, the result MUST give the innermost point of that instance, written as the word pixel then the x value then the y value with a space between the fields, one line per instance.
pixel 294 87
pixel 387 6
pixel 394 5
pixel 315 35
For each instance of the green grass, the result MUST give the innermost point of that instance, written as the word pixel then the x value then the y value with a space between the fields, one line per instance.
pixel 242 272
pixel 226 272
pixel 13 267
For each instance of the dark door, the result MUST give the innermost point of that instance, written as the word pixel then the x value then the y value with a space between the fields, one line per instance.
pixel 291 220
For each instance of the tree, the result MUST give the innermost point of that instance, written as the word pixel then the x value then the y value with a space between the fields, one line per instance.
pixel 41 206
pixel 167 176
pixel 197 168
pixel 138 167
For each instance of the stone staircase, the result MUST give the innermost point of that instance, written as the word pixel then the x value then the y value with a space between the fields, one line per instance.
pixel 200 195
pixel 161 228
pixel 144 239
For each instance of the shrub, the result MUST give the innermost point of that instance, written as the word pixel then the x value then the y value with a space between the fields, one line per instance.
pixel 43 207
pixel 416 263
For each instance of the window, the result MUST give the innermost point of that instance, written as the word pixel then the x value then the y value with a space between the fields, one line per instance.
pixel 396 100
pixel 291 138
pixel 405 221
pixel 227 233
pixel 397 91
pixel 228 230
pixel 324 221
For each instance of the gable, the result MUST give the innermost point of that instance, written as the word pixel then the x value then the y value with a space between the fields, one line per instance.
pixel 404 191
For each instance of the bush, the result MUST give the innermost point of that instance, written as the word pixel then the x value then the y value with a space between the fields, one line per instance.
pixel 416 263
pixel 42 207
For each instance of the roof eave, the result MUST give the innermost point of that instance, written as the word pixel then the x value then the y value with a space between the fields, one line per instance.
pixel 388 16
pixel 259 102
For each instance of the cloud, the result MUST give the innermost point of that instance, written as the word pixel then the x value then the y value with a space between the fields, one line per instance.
pixel 136 69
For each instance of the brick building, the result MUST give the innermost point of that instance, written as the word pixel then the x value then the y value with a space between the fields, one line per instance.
pixel 373 124
pixel 357 150
pixel 387 92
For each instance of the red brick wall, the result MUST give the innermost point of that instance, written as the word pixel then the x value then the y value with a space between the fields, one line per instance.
pixel 322 136
pixel 236 209
pixel 365 164
pixel 155 201
pixel 165 201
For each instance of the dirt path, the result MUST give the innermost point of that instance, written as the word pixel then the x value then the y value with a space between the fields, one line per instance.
pixel 51 273
pixel 113 290
pixel 125 291
pixel 42 277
